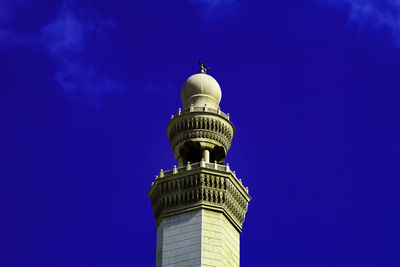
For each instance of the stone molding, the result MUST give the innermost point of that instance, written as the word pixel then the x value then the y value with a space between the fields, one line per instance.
pixel 200 188
pixel 200 125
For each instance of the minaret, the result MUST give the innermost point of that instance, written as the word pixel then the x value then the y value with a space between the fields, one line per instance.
pixel 200 205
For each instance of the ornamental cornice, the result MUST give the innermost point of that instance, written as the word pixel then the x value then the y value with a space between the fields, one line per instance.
pixel 208 135
pixel 203 124
pixel 200 187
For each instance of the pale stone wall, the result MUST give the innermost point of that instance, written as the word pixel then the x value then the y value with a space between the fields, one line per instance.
pixel 179 240
pixel 220 241
pixel 197 238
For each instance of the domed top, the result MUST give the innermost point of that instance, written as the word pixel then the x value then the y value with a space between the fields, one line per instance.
pixel 201 89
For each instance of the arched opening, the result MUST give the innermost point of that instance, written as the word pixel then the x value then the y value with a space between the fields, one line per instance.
pixel 218 154
pixel 191 152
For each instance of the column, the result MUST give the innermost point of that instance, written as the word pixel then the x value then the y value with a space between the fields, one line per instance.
pixel 206 155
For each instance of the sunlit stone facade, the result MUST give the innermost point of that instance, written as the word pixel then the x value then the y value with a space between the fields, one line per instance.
pixel 199 205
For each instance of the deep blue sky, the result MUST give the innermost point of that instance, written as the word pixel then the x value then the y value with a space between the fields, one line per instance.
pixel 87 89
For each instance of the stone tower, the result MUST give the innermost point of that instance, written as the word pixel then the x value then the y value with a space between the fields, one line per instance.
pixel 200 205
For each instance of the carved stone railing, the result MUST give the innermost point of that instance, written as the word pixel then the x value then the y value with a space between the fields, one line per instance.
pixel 200 185
pixel 201 164
pixel 202 109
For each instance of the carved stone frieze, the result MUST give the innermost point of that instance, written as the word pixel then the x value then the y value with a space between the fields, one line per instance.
pixel 200 188
pixel 207 126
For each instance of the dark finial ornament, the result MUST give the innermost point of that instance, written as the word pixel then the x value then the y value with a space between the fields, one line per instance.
pixel 203 67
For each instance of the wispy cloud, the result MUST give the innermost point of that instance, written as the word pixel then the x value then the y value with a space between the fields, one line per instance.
pixel 66 33
pixel 210 10
pixel 372 13
pixel 65 40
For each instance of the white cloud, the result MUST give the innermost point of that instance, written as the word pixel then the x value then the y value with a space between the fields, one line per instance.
pixel 65 40
pixel 374 13
pixel 65 34
pixel 79 79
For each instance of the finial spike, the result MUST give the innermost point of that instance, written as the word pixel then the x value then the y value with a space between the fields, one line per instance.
pixel 203 67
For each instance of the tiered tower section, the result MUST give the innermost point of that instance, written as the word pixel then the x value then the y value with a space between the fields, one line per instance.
pixel 200 205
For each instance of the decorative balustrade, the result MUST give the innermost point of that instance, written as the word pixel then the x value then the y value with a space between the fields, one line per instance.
pixel 202 109
pixel 201 164
pixel 214 166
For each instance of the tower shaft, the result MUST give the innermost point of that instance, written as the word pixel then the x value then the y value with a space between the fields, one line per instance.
pixel 197 238
pixel 199 206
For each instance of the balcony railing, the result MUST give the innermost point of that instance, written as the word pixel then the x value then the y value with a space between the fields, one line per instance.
pixel 202 109
pixel 201 164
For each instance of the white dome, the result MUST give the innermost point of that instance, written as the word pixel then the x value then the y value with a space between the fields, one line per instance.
pixel 200 89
